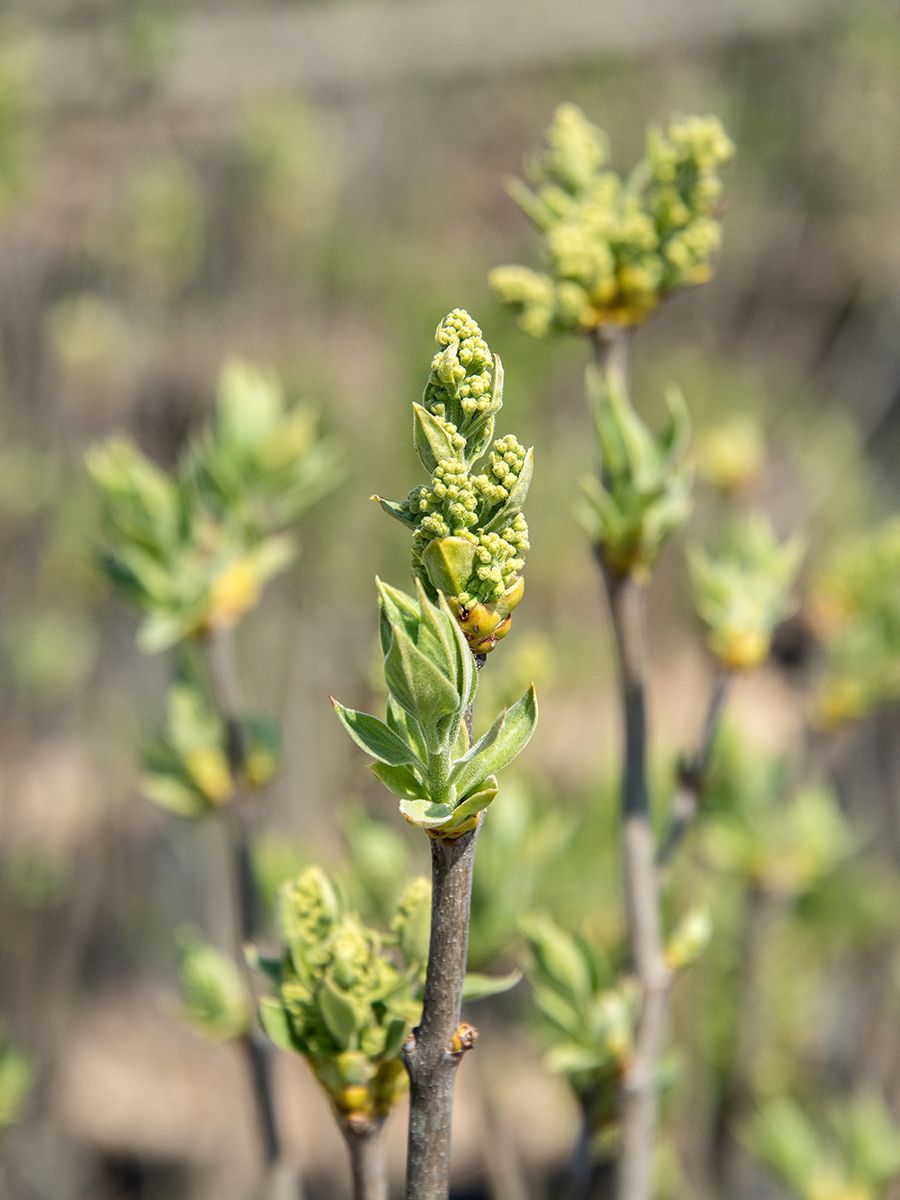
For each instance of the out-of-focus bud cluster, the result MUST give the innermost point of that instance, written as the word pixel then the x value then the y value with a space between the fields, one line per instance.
pixel 854 607
pixel 469 533
pixel 760 827
pixel 186 769
pixel 216 1000
pixel 16 1079
pixel 346 997
pixel 160 229
pixel 615 247
pixel 289 164
pixel 422 752
pixel 853 1155
pixel 742 593
pixel 192 549
pixel 643 493
pixel 730 456
pixel 588 1007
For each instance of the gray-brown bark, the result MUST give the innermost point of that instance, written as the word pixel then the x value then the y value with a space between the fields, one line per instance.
pixel 642 908
pixel 257 1048
pixel 431 1055
pixel 366 1149
pixel 692 774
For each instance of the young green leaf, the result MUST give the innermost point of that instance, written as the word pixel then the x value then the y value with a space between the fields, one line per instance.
pixel 406 727
pixel 435 441
pixel 479 987
pixel 506 739
pixel 171 792
pixel 398 511
pixel 476 802
pixel 339 1015
pixel 419 686
pixel 275 1022
pixel 400 780
pixel 568 1058
pixel 426 813
pixel 375 737
pixel 558 957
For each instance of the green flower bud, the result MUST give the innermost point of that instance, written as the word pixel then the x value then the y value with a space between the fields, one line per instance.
pixel 854 608
pixel 470 536
pixel 688 939
pixel 731 455
pixel 742 594
pixel 194 548
pixel 465 388
pixel 412 920
pixel 345 997
pixel 781 843
pixel 308 908
pixel 616 247
pixel 216 1001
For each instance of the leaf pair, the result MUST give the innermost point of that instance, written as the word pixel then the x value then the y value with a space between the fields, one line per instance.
pixel 643 493
pixel 421 751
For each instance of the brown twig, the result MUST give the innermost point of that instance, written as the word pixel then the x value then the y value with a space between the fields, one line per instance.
pixel 692 774
pixel 244 888
pixel 589 1173
pixel 642 907
pixel 433 1051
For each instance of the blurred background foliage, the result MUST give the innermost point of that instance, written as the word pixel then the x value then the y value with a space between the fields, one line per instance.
pixel 312 186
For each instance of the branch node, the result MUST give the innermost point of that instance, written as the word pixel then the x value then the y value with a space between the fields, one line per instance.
pixel 409 1046
pixel 692 775
pixel 359 1124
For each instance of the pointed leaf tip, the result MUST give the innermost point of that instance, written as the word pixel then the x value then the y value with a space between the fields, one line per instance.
pixel 376 738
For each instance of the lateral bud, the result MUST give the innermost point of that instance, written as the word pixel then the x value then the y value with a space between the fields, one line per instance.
pixel 463 1039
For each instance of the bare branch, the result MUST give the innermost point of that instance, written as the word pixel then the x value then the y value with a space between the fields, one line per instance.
pixel 244 891
pixel 692 774
pixel 366 1149
pixel 431 1056
pixel 641 884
